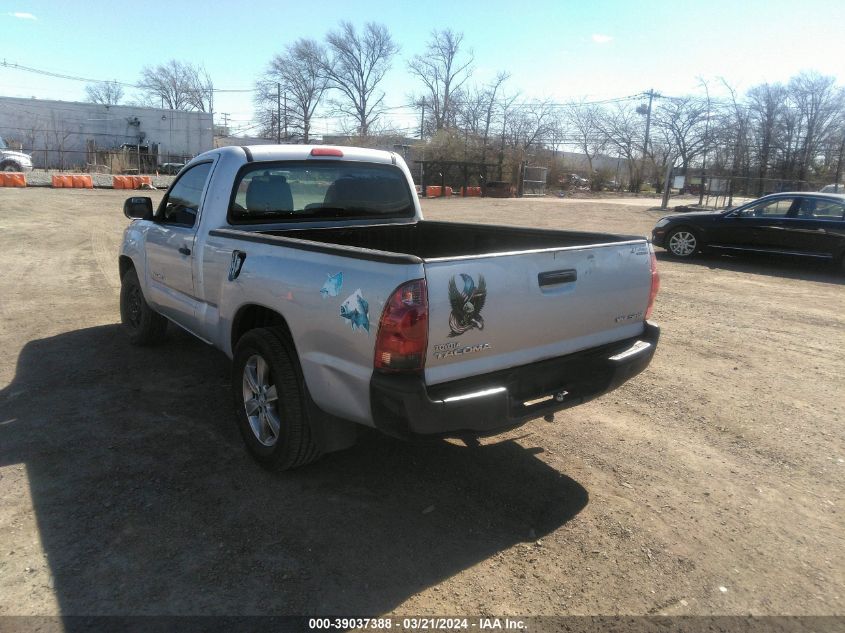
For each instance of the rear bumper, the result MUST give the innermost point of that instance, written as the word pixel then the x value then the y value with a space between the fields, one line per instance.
pixel 404 406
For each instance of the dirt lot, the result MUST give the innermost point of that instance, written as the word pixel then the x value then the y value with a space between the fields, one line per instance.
pixel 711 484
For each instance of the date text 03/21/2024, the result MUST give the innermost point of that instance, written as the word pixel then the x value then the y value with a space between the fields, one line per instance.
pixel 417 624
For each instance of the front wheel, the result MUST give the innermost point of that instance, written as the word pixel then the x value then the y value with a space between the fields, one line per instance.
pixel 145 325
pixel 682 243
pixel 269 395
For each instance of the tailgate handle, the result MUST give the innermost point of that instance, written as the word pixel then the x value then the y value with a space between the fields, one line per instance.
pixel 554 277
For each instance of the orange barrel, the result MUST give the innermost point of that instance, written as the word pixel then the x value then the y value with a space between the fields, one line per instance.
pixel 18 179
pixel 81 182
pixel 56 181
pixel 118 182
pixel 433 191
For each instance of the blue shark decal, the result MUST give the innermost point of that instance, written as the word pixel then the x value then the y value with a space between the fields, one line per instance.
pixel 332 286
pixel 356 310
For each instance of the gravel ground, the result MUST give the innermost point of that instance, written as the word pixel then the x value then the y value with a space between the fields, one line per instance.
pixel 710 484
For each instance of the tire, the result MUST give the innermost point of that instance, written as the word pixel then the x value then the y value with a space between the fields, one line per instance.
pixel 145 325
pixel 10 167
pixel 682 243
pixel 269 393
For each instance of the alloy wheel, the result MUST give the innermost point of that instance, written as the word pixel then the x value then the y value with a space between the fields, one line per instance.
pixel 682 243
pixel 260 399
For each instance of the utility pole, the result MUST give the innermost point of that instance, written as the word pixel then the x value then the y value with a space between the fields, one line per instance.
pixel 706 145
pixel 225 116
pixel 667 182
pixel 286 116
pixel 839 166
pixel 278 112
pixel 422 118
pixel 651 95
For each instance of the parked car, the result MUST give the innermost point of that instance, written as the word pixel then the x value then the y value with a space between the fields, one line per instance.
pixel 834 188
pixel 313 269
pixel 170 168
pixel 801 223
pixel 11 160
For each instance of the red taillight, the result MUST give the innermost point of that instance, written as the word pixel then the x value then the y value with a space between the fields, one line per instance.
pixel 655 284
pixel 403 329
pixel 326 151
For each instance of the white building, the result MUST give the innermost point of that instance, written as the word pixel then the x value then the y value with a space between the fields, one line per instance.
pixel 68 134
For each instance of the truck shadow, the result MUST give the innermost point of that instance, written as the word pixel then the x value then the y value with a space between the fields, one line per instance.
pixel 146 502
pixel 764 264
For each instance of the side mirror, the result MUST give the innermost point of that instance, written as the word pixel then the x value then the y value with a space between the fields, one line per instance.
pixel 138 208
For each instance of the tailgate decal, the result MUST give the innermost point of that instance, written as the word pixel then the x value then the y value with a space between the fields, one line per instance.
pixel 467 301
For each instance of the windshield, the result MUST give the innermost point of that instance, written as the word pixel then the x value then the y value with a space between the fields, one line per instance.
pixel 302 190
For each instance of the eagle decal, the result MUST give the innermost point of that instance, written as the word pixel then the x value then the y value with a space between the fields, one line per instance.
pixel 467 301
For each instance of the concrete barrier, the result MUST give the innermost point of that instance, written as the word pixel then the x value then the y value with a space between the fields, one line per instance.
pixel 73 181
pixel 131 182
pixel 12 179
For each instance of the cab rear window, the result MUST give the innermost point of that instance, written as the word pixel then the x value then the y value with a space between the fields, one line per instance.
pixel 312 190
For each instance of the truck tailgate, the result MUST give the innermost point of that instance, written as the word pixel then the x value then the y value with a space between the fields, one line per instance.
pixel 488 313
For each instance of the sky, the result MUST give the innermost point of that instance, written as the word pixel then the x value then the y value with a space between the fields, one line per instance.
pixel 563 50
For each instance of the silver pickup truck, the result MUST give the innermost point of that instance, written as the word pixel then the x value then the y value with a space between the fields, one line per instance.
pixel 313 269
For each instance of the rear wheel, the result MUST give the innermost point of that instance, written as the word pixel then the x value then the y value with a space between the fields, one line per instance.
pixel 269 395
pixel 682 242
pixel 145 325
pixel 10 167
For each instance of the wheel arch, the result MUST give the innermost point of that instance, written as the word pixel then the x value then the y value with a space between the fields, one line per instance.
pixel 331 433
pixel 251 316
pixel 124 265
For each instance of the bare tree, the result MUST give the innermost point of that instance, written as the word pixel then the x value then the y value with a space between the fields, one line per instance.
pixel 60 136
pixel 623 127
pixel 355 66
pixel 766 104
pixel 818 101
pixel 584 120
pixel 492 95
pixel 737 126
pixel 443 71
pixel 104 92
pixel 531 124
pixel 300 72
pixel 178 86
pixel 506 108
pixel 477 110
pixel 682 120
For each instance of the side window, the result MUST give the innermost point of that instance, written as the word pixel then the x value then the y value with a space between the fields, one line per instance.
pixel 772 209
pixel 182 202
pixel 822 210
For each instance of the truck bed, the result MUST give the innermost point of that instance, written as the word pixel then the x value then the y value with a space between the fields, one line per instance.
pixel 429 240
pixel 546 293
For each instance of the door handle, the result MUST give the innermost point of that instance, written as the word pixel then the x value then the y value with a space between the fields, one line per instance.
pixel 184 250
pixel 553 277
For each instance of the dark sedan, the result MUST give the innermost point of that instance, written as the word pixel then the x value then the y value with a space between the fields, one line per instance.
pixel 804 224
